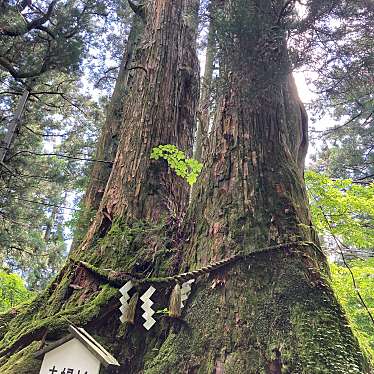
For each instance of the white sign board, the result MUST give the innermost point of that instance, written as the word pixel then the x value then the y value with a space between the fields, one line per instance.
pixel 71 357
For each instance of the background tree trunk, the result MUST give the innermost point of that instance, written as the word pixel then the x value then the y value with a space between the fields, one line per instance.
pixel 205 97
pixel 109 137
pixel 111 131
pixel 14 124
pixel 49 225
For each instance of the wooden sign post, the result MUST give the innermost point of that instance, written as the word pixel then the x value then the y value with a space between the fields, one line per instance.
pixel 76 353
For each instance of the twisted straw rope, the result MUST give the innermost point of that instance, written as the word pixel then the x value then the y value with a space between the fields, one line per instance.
pixel 179 278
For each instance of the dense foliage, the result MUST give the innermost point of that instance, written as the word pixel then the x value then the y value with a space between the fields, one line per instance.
pixel 12 291
pixel 342 208
pixel 363 271
pixel 343 63
pixel 344 211
pixel 51 50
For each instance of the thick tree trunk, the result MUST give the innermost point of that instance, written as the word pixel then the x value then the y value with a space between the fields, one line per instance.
pixel 272 312
pixel 160 108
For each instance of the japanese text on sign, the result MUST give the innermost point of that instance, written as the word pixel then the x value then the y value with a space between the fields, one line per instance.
pixel 56 370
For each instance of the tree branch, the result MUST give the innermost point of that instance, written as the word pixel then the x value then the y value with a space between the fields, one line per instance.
pixel 45 204
pixel 137 9
pixel 283 11
pixel 35 24
pixel 46 135
pixel 6 64
pixel 60 155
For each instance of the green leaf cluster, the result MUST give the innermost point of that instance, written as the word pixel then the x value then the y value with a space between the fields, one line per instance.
pixel 345 210
pixel 363 272
pixel 12 291
pixel 187 168
pixel 342 208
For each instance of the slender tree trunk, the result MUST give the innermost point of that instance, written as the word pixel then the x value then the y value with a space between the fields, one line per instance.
pixel 111 131
pixel 109 137
pixel 205 96
pixel 13 126
pixel 50 224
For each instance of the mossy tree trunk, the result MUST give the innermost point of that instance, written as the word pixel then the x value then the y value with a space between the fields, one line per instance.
pixel 273 313
pixel 159 108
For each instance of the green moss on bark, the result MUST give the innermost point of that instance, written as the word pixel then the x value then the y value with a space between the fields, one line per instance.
pixel 138 248
pixel 35 322
pixel 23 361
pixel 235 320
pixel 261 311
pixel 325 341
pixel 126 246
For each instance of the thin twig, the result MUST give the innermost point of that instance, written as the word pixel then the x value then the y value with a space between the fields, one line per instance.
pixel 59 155
pixel 45 204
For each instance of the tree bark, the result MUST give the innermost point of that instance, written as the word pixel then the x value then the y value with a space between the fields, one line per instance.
pixel 159 109
pixel 205 96
pixel 13 126
pixel 270 312
pixel 274 312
